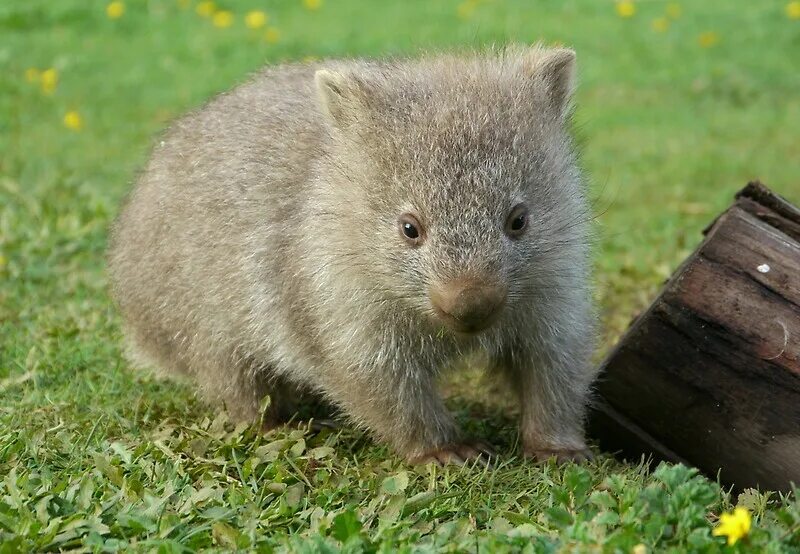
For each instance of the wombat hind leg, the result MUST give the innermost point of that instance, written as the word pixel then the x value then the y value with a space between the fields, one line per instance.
pixel 148 352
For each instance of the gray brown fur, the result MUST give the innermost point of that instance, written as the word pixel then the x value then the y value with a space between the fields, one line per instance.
pixel 259 251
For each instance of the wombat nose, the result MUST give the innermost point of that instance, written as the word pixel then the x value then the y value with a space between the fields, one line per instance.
pixel 468 306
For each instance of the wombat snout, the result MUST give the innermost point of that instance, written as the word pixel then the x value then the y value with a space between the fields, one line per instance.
pixel 468 305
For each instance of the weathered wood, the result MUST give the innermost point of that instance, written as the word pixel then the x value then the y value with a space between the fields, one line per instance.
pixel 710 374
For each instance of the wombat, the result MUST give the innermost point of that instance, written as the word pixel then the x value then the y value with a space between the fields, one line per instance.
pixel 350 228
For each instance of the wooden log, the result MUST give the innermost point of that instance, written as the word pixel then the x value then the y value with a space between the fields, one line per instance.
pixel 709 375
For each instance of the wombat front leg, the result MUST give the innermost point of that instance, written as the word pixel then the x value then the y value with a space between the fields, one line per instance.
pixel 553 392
pixel 403 408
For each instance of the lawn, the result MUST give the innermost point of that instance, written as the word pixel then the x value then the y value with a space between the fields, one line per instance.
pixel 679 105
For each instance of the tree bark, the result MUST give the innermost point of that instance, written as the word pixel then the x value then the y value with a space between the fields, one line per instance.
pixel 709 375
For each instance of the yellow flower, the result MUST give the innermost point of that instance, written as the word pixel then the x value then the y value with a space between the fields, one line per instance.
pixel 708 39
pixel 222 19
pixel 115 10
pixel 625 9
pixel 734 525
pixel 49 80
pixel 255 19
pixel 674 10
pixel 272 35
pixel 793 10
pixel 32 75
pixel 312 4
pixel 73 121
pixel 660 24
pixel 466 9
pixel 206 9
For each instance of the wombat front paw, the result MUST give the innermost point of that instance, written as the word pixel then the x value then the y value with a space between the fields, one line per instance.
pixel 458 453
pixel 562 455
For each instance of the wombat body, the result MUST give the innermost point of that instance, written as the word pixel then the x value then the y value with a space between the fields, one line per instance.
pixel 351 228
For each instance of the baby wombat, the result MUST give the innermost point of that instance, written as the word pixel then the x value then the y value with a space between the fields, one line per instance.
pixel 349 228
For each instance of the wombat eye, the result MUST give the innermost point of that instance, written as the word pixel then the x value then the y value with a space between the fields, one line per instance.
pixel 411 229
pixel 517 221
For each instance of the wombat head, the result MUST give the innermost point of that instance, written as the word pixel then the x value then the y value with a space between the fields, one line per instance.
pixel 455 180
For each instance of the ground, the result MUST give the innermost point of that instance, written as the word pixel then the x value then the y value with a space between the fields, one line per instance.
pixel 679 105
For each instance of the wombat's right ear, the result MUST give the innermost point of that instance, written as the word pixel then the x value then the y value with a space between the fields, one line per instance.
pixel 340 96
pixel 555 67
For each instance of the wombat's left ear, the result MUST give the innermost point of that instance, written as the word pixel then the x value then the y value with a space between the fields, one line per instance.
pixel 556 69
pixel 340 96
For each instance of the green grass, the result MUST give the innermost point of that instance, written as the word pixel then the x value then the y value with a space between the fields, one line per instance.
pixel 95 457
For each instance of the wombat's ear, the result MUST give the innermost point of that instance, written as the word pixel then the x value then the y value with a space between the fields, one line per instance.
pixel 556 69
pixel 340 96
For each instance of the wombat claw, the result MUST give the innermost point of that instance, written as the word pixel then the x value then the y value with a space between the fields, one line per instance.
pixel 457 453
pixel 562 456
